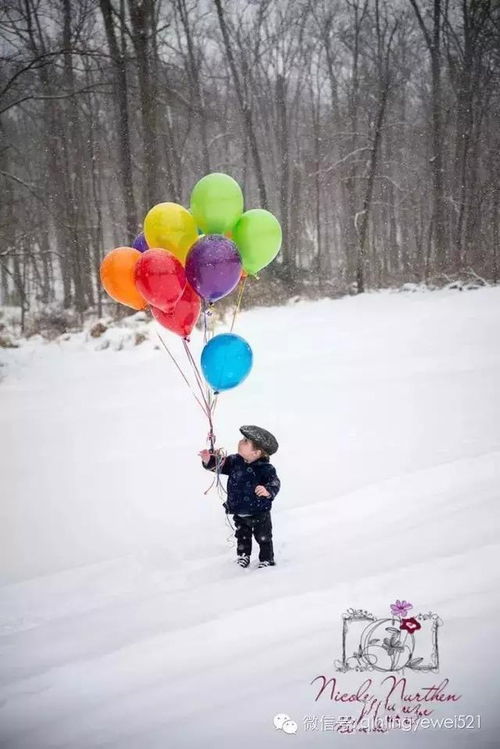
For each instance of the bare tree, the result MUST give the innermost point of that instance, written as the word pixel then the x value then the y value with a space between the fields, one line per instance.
pixel 385 29
pixel 143 32
pixel 245 106
pixel 432 38
pixel 380 170
pixel 120 93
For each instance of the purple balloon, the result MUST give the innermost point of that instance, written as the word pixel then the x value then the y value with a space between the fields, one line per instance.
pixel 140 243
pixel 213 267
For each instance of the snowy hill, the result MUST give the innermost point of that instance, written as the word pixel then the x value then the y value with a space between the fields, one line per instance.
pixel 124 621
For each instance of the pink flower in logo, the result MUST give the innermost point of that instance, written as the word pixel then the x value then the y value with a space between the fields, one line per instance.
pixel 411 625
pixel 400 608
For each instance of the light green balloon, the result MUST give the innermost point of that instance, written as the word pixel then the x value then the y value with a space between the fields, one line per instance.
pixel 216 203
pixel 258 238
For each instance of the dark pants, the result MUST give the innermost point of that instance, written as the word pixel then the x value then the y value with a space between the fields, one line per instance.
pixel 261 527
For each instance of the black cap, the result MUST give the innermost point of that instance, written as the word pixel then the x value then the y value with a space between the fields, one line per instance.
pixel 261 438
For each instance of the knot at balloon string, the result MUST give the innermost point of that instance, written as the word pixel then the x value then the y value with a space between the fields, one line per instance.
pixel 211 441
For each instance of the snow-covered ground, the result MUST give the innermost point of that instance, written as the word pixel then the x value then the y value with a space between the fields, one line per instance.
pixel 124 621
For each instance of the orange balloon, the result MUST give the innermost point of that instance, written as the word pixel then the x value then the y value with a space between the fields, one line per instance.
pixel 117 276
pixel 244 274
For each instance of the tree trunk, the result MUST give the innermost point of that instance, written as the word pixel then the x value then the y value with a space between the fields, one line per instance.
pixel 245 108
pixel 120 95
pixel 194 76
pixel 433 41
pixel 284 163
pixel 350 184
pixel 365 212
pixel 52 137
pixel 72 149
pixel 143 28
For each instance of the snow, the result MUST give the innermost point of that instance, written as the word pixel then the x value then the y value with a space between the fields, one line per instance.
pixel 125 623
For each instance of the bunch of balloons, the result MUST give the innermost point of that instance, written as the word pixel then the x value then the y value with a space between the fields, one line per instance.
pixel 184 259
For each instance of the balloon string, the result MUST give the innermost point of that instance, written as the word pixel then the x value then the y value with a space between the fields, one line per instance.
pixel 214 403
pixel 220 456
pixel 199 382
pixel 204 408
pixel 207 335
pixel 213 322
pixel 206 312
pixel 208 327
pixel 210 402
pixel 196 371
pixel 238 303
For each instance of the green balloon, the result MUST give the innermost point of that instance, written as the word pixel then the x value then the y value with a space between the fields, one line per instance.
pixel 216 203
pixel 258 238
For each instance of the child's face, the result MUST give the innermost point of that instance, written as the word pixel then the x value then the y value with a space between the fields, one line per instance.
pixel 247 450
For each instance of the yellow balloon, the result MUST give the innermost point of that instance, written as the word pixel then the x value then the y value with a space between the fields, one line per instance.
pixel 171 227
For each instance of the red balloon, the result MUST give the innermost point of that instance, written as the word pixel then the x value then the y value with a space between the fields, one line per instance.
pixel 183 317
pixel 160 278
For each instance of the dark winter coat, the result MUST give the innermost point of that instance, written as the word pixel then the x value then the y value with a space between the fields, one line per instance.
pixel 243 477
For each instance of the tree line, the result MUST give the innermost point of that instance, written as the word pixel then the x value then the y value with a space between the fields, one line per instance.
pixel 369 127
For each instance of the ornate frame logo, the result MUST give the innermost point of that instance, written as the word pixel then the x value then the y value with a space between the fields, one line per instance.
pixel 391 643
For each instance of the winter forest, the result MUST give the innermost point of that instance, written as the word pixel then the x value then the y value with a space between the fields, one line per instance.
pixel 369 127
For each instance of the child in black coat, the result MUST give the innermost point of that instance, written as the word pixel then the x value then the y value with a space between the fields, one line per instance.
pixel 251 487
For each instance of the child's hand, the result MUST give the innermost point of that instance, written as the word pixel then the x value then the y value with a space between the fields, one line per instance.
pixel 261 491
pixel 204 455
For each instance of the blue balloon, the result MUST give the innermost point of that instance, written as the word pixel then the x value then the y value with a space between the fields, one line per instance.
pixel 226 361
